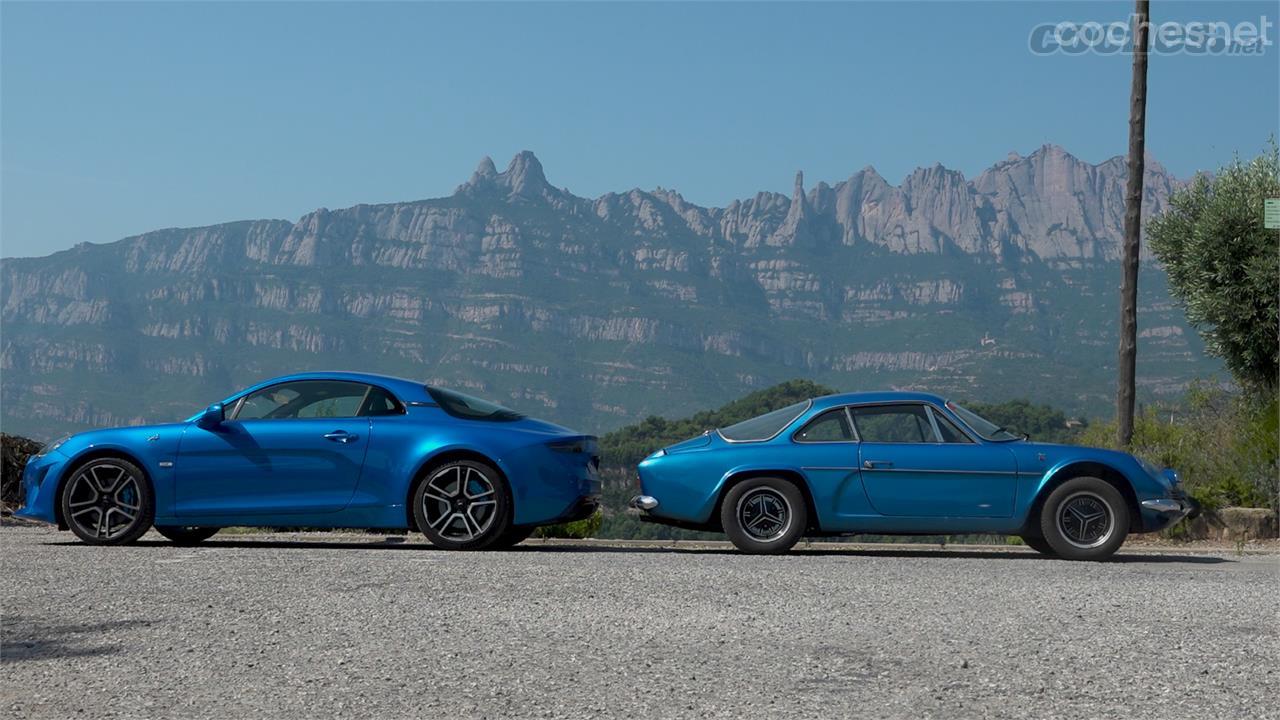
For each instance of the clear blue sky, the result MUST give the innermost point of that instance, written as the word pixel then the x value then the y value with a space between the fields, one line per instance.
pixel 116 118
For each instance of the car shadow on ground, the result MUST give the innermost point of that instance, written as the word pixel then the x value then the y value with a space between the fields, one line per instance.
pixel 27 640
pixel 400 543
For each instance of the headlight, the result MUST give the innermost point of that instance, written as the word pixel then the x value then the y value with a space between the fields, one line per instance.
pixel 53 445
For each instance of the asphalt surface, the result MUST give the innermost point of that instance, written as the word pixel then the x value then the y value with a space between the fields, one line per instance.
pixel 325 625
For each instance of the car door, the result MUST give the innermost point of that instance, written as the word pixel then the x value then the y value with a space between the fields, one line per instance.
pixel 828 453
pixel 292 448
pixel 916 463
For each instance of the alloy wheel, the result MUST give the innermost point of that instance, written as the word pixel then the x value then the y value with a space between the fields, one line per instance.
pixel 460 503
pixel 105 500
pixel 764 514
pixel 1085 520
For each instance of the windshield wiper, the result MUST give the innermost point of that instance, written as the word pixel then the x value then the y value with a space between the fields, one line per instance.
pixel 1005 430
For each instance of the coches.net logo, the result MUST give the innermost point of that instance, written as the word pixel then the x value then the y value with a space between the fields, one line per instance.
pixel 1197 37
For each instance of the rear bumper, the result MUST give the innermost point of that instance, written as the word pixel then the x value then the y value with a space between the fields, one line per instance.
pixel 643 502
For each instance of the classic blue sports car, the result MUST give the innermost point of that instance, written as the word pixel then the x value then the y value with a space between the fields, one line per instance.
pixel 321 450
pixel 902 463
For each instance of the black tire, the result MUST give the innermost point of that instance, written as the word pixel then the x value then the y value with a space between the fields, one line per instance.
pixel 462 505
pixel 187 535
pixel 764 515
pixel 514 535
pixel 108 501
pixel 1038 544
pixel 1085 518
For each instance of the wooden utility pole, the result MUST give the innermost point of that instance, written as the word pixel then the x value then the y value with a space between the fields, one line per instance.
pixel 1125 392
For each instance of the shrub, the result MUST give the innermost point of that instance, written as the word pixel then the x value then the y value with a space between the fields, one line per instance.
pixel 576 530
pixel 1222 445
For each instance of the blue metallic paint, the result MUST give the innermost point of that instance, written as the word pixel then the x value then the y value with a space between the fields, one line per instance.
pixel 932 488
pixel 284 472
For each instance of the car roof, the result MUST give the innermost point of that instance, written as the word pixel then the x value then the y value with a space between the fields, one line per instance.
pixel 404 389
pixel 878 396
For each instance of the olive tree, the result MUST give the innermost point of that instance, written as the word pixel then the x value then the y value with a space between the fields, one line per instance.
pixel 1224 266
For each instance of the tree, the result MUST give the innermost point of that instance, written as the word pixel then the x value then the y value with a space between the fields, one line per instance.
pixel 1224 266
pixel 1125 391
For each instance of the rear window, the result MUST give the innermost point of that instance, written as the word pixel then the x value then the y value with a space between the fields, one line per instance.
pixel 763 427
pixel 470 408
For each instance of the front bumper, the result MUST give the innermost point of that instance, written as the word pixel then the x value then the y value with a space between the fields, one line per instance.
pixel 40 487
pixel 1160 513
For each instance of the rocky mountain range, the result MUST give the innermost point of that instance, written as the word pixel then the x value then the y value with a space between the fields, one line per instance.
pixel 595 312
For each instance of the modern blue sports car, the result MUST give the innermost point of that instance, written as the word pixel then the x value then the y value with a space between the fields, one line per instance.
pixel 902 463
pixel 335 450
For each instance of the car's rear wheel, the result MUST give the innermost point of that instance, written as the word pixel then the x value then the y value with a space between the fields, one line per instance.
pixel 108 501
pixel 1085 518
pixel 764 515
pixel 1038 544
pixel 463 505
pixel 187 535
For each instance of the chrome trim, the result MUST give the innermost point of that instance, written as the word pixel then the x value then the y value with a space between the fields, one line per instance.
pixel 808 405
pixel 824 467
pixel 166 463
pixel 1163 505
pixel 644 502
pixel 947 472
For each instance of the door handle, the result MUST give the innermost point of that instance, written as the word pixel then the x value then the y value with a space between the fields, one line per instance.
pixel 341 436
pixel 873 464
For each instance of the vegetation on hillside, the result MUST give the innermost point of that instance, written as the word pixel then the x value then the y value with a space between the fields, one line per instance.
pixel 1222 444
pixel 629 445
pixel 1041 423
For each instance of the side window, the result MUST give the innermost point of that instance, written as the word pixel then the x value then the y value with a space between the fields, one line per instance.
pixel 380 402
pixel 950 433
pixel 830 426
pixel 893 424
pixel 304 399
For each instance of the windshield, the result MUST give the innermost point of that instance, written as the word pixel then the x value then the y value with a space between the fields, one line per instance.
pixel 470 408
pixel 981 425
pixel 763 427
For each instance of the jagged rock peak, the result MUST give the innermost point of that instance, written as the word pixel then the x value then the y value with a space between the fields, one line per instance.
pixel 524 173
pixel 485 170
pixel 523 176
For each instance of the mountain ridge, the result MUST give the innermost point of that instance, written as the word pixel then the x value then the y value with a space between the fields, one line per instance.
pixel 591 310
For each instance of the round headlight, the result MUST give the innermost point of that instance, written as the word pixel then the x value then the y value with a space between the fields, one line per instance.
pixel 53 445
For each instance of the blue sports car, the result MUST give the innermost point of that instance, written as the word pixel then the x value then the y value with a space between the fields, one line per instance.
pixel 330 450
pixel 902 463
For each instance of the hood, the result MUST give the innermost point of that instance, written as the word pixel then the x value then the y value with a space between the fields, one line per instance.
pixel 131 436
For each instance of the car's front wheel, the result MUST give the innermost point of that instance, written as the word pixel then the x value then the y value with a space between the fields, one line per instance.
pixel 463 505
pixel 1085 518
pixel 186 535
pixel 1038 544
pixel 108 501
pixel 764 515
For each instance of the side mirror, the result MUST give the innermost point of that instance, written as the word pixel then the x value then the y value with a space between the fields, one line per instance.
pixel 212 416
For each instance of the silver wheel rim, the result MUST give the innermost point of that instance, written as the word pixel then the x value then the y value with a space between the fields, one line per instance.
pixel 764 514
pixel 460 503
pixel 104 500
pixel 1085 520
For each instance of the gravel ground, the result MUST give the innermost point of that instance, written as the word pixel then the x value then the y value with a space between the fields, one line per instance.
pixel 321 625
